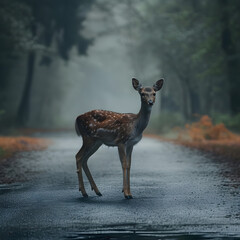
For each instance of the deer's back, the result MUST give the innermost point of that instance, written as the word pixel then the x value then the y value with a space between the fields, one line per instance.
pixel 109 127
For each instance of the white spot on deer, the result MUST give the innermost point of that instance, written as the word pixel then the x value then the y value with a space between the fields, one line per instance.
pixel 104 130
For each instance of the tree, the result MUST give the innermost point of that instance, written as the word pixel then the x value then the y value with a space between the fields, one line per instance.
pixel 229 16
pixel 14 36
pixel 54 21
pixel 196 43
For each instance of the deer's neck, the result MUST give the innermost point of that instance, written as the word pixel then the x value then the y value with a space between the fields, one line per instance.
pixel 143 118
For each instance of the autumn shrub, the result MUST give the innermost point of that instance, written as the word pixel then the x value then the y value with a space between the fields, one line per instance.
pixel 216 139
pixel 204 129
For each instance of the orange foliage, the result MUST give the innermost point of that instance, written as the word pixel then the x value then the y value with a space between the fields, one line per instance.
pixel 206 136
pixel 12 145
pixel 226 148
pixel 205 130
pixel 214 139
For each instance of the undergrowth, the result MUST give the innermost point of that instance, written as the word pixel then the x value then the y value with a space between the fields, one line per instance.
pixel 204 129
pixel 11 145
pixel 231 122
pixel 209 137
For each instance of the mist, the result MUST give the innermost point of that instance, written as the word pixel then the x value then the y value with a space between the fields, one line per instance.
pixel 60 167
pixel 89 59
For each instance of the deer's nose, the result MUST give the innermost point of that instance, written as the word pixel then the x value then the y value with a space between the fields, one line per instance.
pixel 150 102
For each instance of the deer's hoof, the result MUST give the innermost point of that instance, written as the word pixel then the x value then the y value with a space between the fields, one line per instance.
pixel 99 194
pixel 85 195
pixel 128 197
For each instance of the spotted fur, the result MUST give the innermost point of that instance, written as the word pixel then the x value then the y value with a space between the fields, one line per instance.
pixel 109 126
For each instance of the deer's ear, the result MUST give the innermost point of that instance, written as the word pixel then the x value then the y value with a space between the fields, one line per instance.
pixel 137 86
pixel 158 85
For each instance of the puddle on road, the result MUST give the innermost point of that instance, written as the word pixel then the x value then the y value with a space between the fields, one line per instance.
pixel 147 235
pixel 143 232
pixel 4 188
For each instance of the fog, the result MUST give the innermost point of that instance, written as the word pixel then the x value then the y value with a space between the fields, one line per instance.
pixel 86 53
pixel 100 80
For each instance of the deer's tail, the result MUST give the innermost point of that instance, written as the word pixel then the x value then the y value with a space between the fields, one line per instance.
pixel 77 128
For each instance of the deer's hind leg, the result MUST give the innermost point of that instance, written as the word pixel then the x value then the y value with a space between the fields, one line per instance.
pixel 79 158
pixel 88 148
pixel 92 149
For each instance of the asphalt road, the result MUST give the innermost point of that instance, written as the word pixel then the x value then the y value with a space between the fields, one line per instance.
pixel 178 194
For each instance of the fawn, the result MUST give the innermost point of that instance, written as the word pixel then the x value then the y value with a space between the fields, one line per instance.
pixel 123 130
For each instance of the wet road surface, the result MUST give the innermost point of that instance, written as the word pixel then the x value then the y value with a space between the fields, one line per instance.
pixel 178 194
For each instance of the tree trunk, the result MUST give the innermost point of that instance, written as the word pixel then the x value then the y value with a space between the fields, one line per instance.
pixel 185 99
pixel 230 51
pixel 24 107
pixel 194 103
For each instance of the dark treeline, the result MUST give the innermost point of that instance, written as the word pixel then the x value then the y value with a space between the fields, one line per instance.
pixel 193 44
pixel 197 47
pixel 30 31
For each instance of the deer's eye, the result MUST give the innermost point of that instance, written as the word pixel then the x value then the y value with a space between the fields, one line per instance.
pixel 154 94
pixel 142 94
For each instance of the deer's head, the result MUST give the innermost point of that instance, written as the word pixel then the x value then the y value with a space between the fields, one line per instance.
pixel 148 94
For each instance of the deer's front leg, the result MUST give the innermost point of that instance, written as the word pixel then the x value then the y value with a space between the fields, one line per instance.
pixel 129 158
pixel 123 159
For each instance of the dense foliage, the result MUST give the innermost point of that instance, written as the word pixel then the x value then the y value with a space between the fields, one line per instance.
pixel 196 44
pixel 28 28
pixel 193 44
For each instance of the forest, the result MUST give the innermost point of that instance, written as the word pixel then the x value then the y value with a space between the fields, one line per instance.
pixel 61 58
pixel 176 60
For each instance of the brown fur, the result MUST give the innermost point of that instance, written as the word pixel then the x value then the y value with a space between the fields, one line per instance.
pixel 120 124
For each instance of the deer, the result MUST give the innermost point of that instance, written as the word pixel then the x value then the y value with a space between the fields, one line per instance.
pixel 122 130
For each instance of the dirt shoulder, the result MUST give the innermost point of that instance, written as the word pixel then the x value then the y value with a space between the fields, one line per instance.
pixel 9 145
pixel 205 136
pixel 224 152
pixel 228 149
